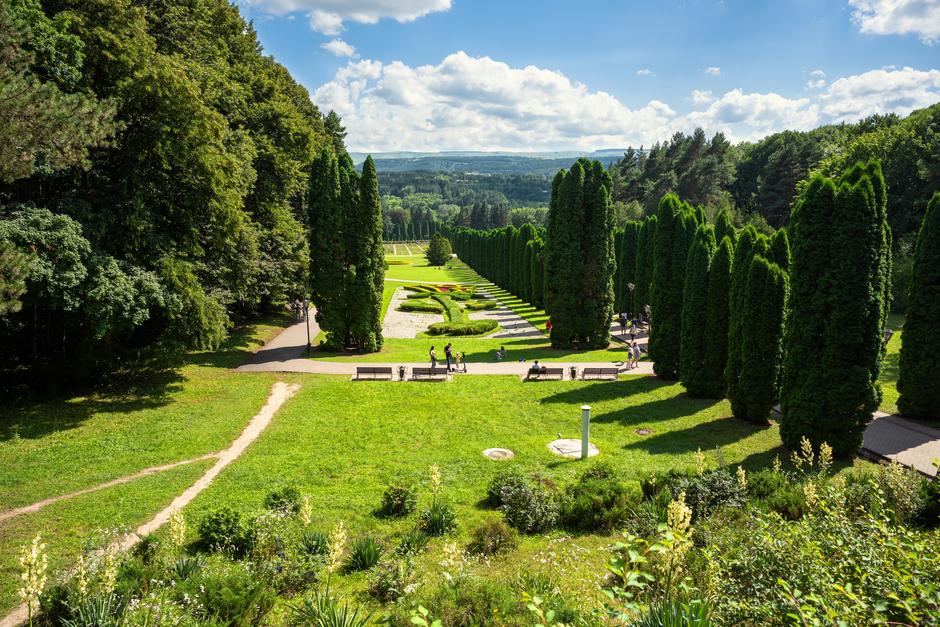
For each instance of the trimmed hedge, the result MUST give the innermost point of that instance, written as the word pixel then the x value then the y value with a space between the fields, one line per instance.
pixel 480 305
pixel 421 306
pixel 474 327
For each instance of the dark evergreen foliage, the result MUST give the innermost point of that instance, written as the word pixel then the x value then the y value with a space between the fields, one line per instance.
pixel 717 320
pixel 693 348
pixel 439 250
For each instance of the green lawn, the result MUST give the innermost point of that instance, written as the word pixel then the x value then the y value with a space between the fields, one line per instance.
pixel 342 441
pixel 419 271
pixel 889 374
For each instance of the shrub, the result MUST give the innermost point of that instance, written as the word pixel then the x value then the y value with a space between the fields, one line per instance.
pixel 285 499
pixel 492 537
pixel 930 497
pixel 505 477
pixel 598 504
pixel 705 492
pixel 598 470
pixel 231 593
pixel 413 542
pixel 420 306
pixel 474 327
pixel 439 250
pixel 315 543
pixel 363 554
pixel 223 530
pixel 322 608
pixel 438 519
pixel 399 499
pixel 392 580
pixel 902 488
pixel 789 501
pixel 694 613
pixel 480 305
pixel 474 602
pixel 528 508
pixel 763 483
pixel 659 481
pixel 185 567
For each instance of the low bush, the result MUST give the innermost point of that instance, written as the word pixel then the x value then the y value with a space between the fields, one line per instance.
pixel 763 483
pixel 392 580
pixel 224 530
pixel 505 477
pixel 492 537
pixel 529 507
pixel 413 542
pixel 439 519
pixel 929 515
pixel 363 554
pixel 789 501
pixel 322 608
pixel 663 480
pixel 231 593
pixel 285 499
pixel 475 602
pixel 315 543
pixel 598 504
pixel 400 499
pixel 705 492
pixel 474 327
pixel 423 306
pixel 480 305
pixel 454 313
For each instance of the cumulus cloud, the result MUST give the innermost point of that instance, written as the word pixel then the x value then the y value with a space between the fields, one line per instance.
pixel 887 90
pixel 898 17
pixel 329 16
pixel 700 96
pixel 713 71
pixel 645 72
pixel 478 103
pixel 339 48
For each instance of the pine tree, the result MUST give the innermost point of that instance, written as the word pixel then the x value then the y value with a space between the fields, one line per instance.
pixel 674 231
pixel 920 342
pixel 717 319
pixel 439 250
pixel 336 131
pixel 367 263
pixel 765 302
pixel 841 287
pixel 693 340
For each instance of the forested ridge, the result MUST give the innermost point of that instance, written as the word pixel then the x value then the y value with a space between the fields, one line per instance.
pixel 154 176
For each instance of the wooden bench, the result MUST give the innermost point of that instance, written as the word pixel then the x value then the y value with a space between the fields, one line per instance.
pixel 429 374
pixel 600 373
pixel 374 372
pixel 545 373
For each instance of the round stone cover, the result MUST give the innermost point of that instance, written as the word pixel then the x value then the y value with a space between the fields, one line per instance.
pixel 499 453
pixel 570 447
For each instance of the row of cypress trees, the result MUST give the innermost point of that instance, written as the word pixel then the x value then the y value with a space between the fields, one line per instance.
pixel 346 253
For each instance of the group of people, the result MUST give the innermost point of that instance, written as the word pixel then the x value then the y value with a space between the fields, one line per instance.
pixel 634 323
pixel 456 362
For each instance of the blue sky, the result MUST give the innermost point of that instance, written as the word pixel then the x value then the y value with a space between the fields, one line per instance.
pixel 514 75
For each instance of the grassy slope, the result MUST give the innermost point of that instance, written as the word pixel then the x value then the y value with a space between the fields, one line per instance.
pixel 189 406
pixel 419 271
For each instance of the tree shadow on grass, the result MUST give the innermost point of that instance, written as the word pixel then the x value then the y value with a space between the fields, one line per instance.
pixel 705 436
pixel 608 390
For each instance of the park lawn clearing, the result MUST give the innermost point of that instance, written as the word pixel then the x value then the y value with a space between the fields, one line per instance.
pixel 890 370
pixel 98 518
pixel 194 404
pixel 420 271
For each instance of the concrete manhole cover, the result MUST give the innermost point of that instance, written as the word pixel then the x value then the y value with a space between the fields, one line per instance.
pixel 569 447
pixel 643 431
pixel 499 453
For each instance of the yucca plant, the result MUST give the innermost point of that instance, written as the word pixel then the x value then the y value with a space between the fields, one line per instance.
pixel 98 611
pixel 186 566
pixel 324 610
pixel 675 613
pixel 413 542
pixel 315 543
pixel 364 554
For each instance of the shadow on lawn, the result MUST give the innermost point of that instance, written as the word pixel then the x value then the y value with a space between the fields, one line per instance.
pixel 608 391
pixel 705 436
pixel 148 382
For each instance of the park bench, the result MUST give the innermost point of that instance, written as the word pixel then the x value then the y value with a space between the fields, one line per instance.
pixel 545 373
pixel 429 374
pixel 600 373
pixel 374 372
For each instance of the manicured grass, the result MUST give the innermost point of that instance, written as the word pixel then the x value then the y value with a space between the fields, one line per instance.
pixel 341 442
pixel 187 406
pixel 419 271
pixel 889 374
pixel 69 526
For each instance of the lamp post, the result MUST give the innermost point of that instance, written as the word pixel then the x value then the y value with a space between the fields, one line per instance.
pixel 585 430
pixel 307 321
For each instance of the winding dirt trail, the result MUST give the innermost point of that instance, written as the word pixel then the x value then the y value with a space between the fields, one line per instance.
pixel 280 393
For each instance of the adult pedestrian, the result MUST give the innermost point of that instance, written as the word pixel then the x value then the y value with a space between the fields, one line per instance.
pixel 636 355
pixel 448 354
pixel 623 323
pixel 433 357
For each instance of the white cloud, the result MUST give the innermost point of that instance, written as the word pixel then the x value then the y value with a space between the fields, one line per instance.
pixel 700 96
pixel 339 48
pixel 479 103
pixel 881 91
pixel 328 16
pixel 645 72
pixel 817 74
pixel 816 84
pixel 713 71
pixel 898 17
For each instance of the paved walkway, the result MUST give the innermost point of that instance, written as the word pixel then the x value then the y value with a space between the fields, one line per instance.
pixel 905 441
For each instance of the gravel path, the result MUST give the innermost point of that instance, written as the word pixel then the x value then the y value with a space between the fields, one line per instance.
pixel 406 324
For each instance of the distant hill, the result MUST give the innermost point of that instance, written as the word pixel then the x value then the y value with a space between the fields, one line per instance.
pixel 546 164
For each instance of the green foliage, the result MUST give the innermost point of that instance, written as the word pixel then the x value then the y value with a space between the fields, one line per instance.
pixel 424 306
pixel 232 594
pixel 391 579
pixel 530 507
pixel 695 344
pixel 920 344
pixel 13 270
pixel 840 277
pixel 413 542
pixel 706 492
pixel 737 310
pixel 579 257
pixel 439 250
pixel 504 478
pixel 492 537
pixel 644 261
pixel 364 553
pixel 365 261
pixel 400 499
pixel 321 609
pixel 285 499
pixel 438 519
pixel 717 321
pixel 224 530
pixel 675 613
pixel 754 393
pixel 598 503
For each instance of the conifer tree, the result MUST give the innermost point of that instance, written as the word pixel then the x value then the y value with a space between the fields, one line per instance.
pixel 327 249
pixel 743 253
pixel 694 341
pixel 834 339
pixel 920 342
pixel 537 273
pixel 439 250
pixel 723 227
pixel 644 261
pixel 626 267
pixel 780 249
pixel 367 263
pixel 755 392
pixel 717 320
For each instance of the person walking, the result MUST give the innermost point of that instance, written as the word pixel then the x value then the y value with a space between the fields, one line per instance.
pixel 462 361
pixel 623 323
pixel 636 355
pixel 448 354
pixel 433 357
pixel 548 326
pixel 633 331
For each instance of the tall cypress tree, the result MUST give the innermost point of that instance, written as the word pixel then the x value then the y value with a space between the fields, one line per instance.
pixel 327 249
pixel 367 263
pixel 537 272
pixel 618 273
pixel 674 231
pixel 723 227
pixel 600 262
pixel 765 303
pixel 644 261
pixel 522 271
pixel 694 340
pixel 743 253
pixel 839 266
pixel 920 342
pixel 628 271
pixel 780 249
pixel 717 319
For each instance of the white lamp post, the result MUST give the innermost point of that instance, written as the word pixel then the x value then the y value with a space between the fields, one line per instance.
pixel 585 430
